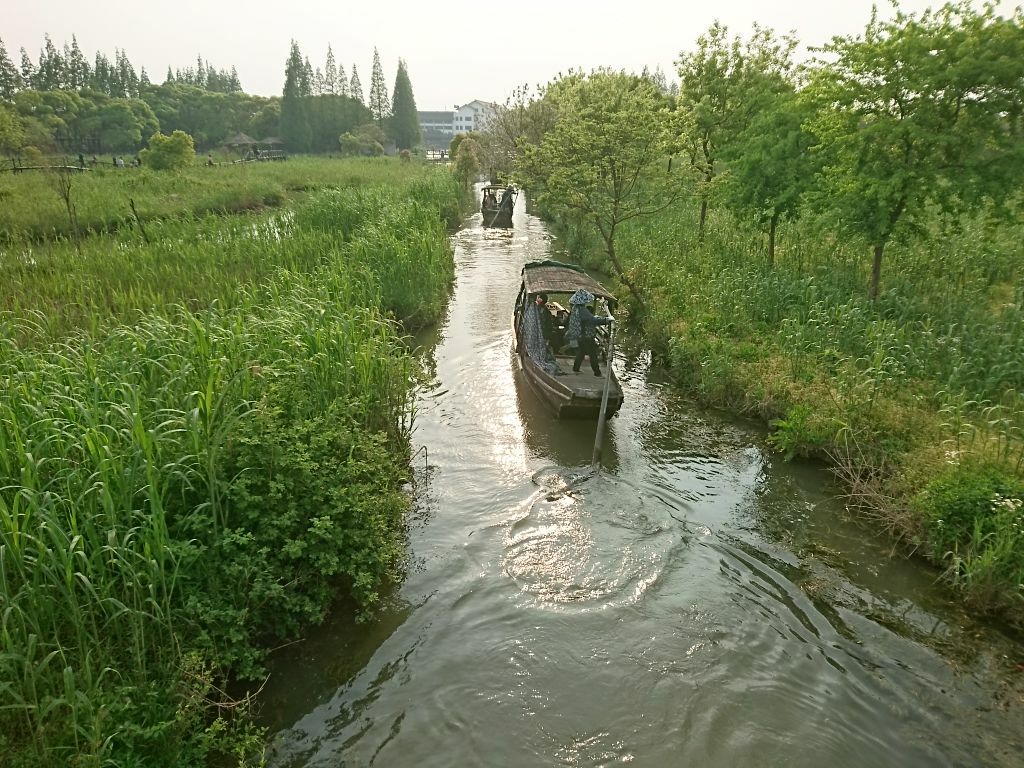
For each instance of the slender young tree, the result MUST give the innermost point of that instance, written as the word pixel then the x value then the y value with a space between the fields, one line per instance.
pixel 10 80
pixel 355 88
pixel 405 123
pixel 77 66
pixel 28 70
pixel 771 165
pixel 379 104
pixel 722 86
pixel 294 122
pixel 330 86
pixel 341 83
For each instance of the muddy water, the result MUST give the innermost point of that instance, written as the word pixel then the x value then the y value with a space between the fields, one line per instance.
pixel 700 603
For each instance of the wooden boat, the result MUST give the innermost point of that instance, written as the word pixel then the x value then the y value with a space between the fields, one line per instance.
pixel 569 393
pixel 496 205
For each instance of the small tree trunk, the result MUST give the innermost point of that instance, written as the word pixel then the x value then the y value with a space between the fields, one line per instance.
pixel 876 272
pixel 703 217
pixel 771 239
pixel 609 243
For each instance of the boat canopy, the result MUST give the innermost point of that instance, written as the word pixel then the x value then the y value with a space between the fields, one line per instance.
pixel 558 277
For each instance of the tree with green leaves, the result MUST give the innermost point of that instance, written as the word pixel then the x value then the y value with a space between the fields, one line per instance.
pixel 28 70
pixel 723 85
pixel 12 132
pixel 355 88
pixel 341 82
pixel 923 109
pixel 466 165
pixel 771 164
pixel 78 69
pixel 294 120
pixel 379 104
pixel 405 123
pixel 330 74
pixel 367 139
pixel 50 74
pixel 523 119
pixel 10 80
pixel 169 152
pixel 606 159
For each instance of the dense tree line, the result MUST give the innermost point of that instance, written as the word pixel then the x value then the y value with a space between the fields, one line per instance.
pixel 63 103
pixel 320 106
pixel 920 113
pixel 70 70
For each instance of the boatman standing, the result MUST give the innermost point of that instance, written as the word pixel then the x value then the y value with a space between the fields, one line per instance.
pixel 581 328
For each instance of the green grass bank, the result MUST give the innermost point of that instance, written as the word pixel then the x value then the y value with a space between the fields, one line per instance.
pixel 199 458
pixel 32 209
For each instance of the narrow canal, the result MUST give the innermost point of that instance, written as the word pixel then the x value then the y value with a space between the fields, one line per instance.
pixel 700 603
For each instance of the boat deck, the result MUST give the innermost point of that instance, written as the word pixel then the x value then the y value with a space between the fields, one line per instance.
pixel 584 383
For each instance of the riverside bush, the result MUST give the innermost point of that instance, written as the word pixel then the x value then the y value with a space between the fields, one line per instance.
pixel 974 519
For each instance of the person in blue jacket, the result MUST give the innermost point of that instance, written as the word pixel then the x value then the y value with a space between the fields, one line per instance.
pixel 581 329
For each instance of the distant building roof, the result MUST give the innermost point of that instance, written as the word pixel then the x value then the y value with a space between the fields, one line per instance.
pixel 240 138
pixel 435 117
pixel 478 104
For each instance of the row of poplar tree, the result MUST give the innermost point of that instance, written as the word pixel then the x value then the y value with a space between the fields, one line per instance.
pixel 70 70
pixel 62 103
pixel 316 103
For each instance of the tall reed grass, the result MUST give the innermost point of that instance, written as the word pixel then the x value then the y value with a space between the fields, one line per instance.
pixel 183 483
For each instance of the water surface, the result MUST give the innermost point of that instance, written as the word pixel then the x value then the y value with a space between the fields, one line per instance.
pixel 699 603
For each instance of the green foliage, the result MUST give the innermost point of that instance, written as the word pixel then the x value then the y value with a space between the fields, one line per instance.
pixel 724 85
pixel 770 165
pixel 294 118
pixel 404 126
pixel 595 165
pixel 169 153
pixel 12 132
pixel 380 104
pixel 178 491
pixel 367 140
pixel 974 522
pixel 467 161
pixel 915 111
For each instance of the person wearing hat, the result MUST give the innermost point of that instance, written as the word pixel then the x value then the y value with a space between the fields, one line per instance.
pixel 581 328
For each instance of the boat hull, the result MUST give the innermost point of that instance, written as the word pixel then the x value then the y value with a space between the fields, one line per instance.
pixel 500 217
pixel 571 395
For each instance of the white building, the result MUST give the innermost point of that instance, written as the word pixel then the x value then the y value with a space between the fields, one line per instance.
pixel 436 122
pixel 472 116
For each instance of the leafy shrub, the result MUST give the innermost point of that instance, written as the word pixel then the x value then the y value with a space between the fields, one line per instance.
pixel 968 500
pixel 169 152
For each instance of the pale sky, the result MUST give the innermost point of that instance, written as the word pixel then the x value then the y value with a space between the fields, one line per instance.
pixel 456 51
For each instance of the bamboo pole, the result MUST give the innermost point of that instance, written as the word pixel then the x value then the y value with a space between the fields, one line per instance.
pixel 595 463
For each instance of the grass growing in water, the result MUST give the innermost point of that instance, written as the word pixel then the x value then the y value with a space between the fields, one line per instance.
pixel 177 491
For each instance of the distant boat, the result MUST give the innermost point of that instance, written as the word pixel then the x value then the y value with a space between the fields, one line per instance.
pixel 496 205
pixel 548 367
